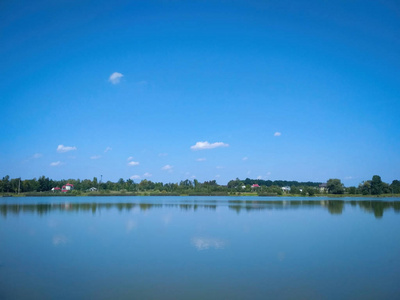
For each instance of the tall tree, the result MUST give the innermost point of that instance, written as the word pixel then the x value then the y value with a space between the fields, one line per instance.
pixel 335 186
pixel 376 185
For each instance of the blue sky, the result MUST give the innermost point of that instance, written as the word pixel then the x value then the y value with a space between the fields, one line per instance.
pixel 292 90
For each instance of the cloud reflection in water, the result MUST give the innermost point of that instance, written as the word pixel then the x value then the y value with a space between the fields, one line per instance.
pixel 202 243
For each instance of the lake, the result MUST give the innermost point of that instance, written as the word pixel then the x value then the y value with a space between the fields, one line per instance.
pixel 199 248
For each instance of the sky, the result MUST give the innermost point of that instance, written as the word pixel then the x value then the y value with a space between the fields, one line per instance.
pixel 212 90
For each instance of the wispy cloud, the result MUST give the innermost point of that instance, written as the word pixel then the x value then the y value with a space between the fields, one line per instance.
pixel 201 159
pixel 217 176
pixel 95 157
pixel 63 149
pixel 245 158
pixel 147 174
pixel 129 158
pixel 277 134
pixel 115 77
pixel 207 145
pixel 107 149
pixel 133 163
pixel 167 168
pixel 37 155
pixel 162 154
pixel 56 164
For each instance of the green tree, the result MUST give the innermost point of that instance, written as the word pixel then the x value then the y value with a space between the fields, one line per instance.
pixel 352 190
pixel 395 187
pixel 376 185
pixel 335 186
pixel 365 187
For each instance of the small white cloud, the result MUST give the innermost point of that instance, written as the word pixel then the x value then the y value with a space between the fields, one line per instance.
pixel 162 154
pixel 142 83
pixel 167 168
pixel 207 145
pixel 129 158
pixel 277 134
pixel 37 155
pixel 268 173
pixel 348 177
pixel 134 177
pixel 115 77
pixel 56 164
pixel 107 149
pixel 133 163
pixel 217 176
pixel 245 158
pixel 259 177
pixel 147 174
pixel 95 157
pixel 201 159
pixel 63 149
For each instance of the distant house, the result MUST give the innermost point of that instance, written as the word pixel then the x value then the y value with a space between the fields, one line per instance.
pixel 323 187
pixel 66 188
pixel 92 189
pixel 55 189
pixel 286 189
pixel 255 186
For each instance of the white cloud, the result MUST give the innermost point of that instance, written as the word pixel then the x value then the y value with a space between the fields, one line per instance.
pixel 129 158
pixel 134 177
pixel 56 164
pixel 207 145
pixel 37 155
pixel 147 174
pixel 167 168
pixel 268 173
pixel 245 158
pixel 201 159
pixel 259 177
pixel 217 176
pixel 107 149
pixel 277 134
pixel 95 157
pixel 62 148
pixel 133 163
pixel 115 77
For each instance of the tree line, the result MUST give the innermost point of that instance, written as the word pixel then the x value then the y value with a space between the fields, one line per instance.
pixel 375 186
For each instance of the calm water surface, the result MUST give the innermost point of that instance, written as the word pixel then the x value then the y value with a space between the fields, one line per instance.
pixel 199 248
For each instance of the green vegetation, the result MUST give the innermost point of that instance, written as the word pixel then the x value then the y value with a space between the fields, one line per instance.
pixel 249 187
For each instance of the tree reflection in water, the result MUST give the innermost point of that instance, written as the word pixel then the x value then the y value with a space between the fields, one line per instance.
pixel 334 207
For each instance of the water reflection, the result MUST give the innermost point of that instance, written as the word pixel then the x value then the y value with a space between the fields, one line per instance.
pixel 204 243
pixel 334 207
